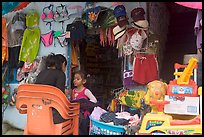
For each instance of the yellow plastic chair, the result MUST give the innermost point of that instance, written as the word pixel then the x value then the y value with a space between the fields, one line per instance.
pixel 37 102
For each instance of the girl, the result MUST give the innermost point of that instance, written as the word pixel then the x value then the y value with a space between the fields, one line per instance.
pixel 86 99
pixel 80 91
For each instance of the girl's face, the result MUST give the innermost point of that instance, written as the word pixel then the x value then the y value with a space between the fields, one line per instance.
pixel 78 81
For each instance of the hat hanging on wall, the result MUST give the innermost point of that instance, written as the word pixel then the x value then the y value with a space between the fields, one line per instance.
pixel 119 11
pixel 118 32
pixel 121 15
pixel 122 21
pixel 138 14
pixel 106 18
pixel 140 24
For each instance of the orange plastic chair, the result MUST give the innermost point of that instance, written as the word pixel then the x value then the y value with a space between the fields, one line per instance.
pixel 37 102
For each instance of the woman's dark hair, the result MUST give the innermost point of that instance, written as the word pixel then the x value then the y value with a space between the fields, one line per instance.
pixel 60 60
pixel 51 60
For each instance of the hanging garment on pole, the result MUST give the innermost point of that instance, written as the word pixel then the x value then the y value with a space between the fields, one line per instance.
pixel 145 68
pixel 16 28
pixel 198 29
pixel 30 45
pixel 4 41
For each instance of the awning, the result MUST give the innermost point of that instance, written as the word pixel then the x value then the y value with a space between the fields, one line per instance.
pixel 12 6
pixel 193 5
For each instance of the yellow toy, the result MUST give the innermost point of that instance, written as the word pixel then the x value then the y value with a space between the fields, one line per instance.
pixel 157 122
pixel 183 85
pixel 156 91
pixel 160 123
pixel 185 75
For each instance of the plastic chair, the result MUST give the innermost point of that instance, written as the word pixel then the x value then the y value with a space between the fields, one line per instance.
pixel 37 102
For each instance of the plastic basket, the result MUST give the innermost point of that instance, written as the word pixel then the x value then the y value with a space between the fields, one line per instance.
pixel 101 128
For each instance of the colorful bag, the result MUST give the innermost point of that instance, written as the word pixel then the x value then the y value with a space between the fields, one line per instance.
pixel 131 98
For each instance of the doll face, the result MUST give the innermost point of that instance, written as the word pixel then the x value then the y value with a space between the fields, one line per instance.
pixel 157 90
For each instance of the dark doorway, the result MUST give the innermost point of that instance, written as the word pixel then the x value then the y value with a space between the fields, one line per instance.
pixel 180 39
pixel 103 67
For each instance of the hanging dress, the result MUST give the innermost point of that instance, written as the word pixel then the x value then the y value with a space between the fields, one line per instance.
pixel 4 41
pixel 31 38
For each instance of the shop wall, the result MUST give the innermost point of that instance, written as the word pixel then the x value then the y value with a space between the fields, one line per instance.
pixel 58 26
pixel 159 23
pixel 45 28
pixel 12 116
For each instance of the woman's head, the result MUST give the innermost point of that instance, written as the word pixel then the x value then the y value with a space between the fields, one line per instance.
pixel 51 60
pixel 61 62
pixel 79 78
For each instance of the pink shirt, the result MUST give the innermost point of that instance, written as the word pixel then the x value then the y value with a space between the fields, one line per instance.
pixel 78 95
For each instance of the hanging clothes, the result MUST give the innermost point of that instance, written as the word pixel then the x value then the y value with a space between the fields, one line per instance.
pixel 16 29
pixel 31 38
pixel 198 29
pixel 32 18
pixel 74 56
pixel 141 72
pixel 4 41
pixel 30 45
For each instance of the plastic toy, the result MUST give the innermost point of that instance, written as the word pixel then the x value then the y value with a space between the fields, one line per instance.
pixel 156 91
pixel 183 85
pixel 161 123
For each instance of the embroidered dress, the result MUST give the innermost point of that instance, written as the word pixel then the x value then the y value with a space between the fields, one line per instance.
pixel 30 45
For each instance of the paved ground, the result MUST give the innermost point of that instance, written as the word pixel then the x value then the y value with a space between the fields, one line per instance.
pixel 8 130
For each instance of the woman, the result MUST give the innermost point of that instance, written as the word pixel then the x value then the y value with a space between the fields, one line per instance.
pixel 54 75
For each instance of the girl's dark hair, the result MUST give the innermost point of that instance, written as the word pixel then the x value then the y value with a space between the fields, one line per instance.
pixel 60 60
pixel 82 74
pixel 51 60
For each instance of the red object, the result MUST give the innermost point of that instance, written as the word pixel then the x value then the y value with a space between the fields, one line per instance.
pixel 193 5
pixel 178 66
pixel 159 104
pixel 191 84
pixel 21 6
pixel 195 121
pixel 145 68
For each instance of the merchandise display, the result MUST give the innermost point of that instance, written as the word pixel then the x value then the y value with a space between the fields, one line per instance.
pixel 101 62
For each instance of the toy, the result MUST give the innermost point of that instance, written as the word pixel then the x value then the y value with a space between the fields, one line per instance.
pixel 156 91
pixel 183 85
pixel 161 123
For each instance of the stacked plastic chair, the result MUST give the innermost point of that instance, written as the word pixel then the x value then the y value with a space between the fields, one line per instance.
pixel 37 102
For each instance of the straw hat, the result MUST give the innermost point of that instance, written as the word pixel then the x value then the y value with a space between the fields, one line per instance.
pixel 118 32
pixel 141 24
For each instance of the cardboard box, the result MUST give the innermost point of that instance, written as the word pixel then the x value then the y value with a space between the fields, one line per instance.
pixel 182 105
